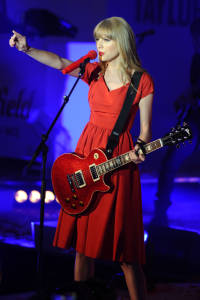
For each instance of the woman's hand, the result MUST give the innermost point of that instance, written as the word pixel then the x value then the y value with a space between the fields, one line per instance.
pixel 137 155
pixel 19 41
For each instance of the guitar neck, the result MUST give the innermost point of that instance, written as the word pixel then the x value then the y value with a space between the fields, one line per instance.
pixel 125 158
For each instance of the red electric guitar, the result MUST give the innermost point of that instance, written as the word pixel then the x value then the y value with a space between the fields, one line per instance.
pixel 76 179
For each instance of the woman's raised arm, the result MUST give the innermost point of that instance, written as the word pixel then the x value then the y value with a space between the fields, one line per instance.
pixel 45 57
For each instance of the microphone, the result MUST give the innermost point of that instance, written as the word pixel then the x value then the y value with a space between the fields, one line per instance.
pixel 145 33
pixel 91 55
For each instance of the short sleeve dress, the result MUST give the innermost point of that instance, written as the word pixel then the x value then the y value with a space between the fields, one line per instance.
pixel 114 229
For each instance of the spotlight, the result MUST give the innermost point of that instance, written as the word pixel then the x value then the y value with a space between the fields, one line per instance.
pixel 34 196
pixel 49 197
pixel 21 196
pixel 146 236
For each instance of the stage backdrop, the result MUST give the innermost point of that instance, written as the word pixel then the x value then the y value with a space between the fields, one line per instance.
pixel 30 96
pixel 32 93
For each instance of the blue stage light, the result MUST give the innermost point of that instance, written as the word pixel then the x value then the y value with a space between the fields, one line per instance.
pixel 146 236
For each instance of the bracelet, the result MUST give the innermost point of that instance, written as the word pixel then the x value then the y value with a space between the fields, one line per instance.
pixel 141 144
pixel 140 141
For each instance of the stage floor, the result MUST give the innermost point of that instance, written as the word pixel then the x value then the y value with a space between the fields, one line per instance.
pixel 184 213
pixel 175 245
pixel 165 291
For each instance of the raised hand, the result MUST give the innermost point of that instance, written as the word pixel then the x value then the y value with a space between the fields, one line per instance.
pixel 19 41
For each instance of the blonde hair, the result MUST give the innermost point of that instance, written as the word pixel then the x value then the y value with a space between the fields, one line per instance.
pixel 118 29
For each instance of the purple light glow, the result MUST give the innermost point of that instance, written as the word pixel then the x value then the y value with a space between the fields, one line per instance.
pixel 76 114
pixel 177 180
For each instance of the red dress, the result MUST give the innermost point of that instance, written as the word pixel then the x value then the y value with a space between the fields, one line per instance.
pixel 114 229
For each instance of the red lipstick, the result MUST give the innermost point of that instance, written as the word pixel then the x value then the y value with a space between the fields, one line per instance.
pixel 101 53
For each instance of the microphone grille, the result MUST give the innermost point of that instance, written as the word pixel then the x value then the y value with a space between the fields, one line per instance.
pixel 92 54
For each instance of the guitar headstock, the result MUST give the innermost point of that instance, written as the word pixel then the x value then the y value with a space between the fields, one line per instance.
pixel 178 134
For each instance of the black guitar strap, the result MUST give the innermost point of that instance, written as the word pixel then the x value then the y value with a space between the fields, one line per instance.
pixel 113 139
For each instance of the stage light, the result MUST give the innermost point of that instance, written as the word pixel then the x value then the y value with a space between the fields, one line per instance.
pixel 49 197
pixel 146 235
pixel 34 196
pixel 21 196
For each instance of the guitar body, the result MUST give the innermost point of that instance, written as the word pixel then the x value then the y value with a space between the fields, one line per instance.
pixel 75 181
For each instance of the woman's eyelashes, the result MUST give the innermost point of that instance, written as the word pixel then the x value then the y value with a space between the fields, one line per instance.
pixel 102 39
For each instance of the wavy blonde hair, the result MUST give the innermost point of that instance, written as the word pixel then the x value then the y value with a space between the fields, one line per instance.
pixel 118 29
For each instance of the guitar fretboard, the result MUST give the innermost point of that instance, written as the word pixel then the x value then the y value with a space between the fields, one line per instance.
pixel 125 158
pixel 155 145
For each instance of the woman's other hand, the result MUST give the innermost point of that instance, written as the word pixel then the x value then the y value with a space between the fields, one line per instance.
pixel 137 155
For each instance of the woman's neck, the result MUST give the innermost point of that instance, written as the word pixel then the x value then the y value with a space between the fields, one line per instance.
pixel 115 73
pixel 113 66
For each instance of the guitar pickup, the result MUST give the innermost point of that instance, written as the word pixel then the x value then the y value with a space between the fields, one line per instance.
pixel 80 179
pixel 94 173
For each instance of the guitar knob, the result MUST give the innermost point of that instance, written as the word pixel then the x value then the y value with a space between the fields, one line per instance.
pixel 67 199
pixel 73 205
pixel 74 196
pixel 81 203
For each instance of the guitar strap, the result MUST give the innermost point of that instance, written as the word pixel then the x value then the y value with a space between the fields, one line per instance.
pixel 113 139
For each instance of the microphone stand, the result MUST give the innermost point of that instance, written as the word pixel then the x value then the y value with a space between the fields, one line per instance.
pixel 43 148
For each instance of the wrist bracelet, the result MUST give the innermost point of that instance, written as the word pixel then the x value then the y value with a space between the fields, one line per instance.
pixel 141 144
pixel 140 141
